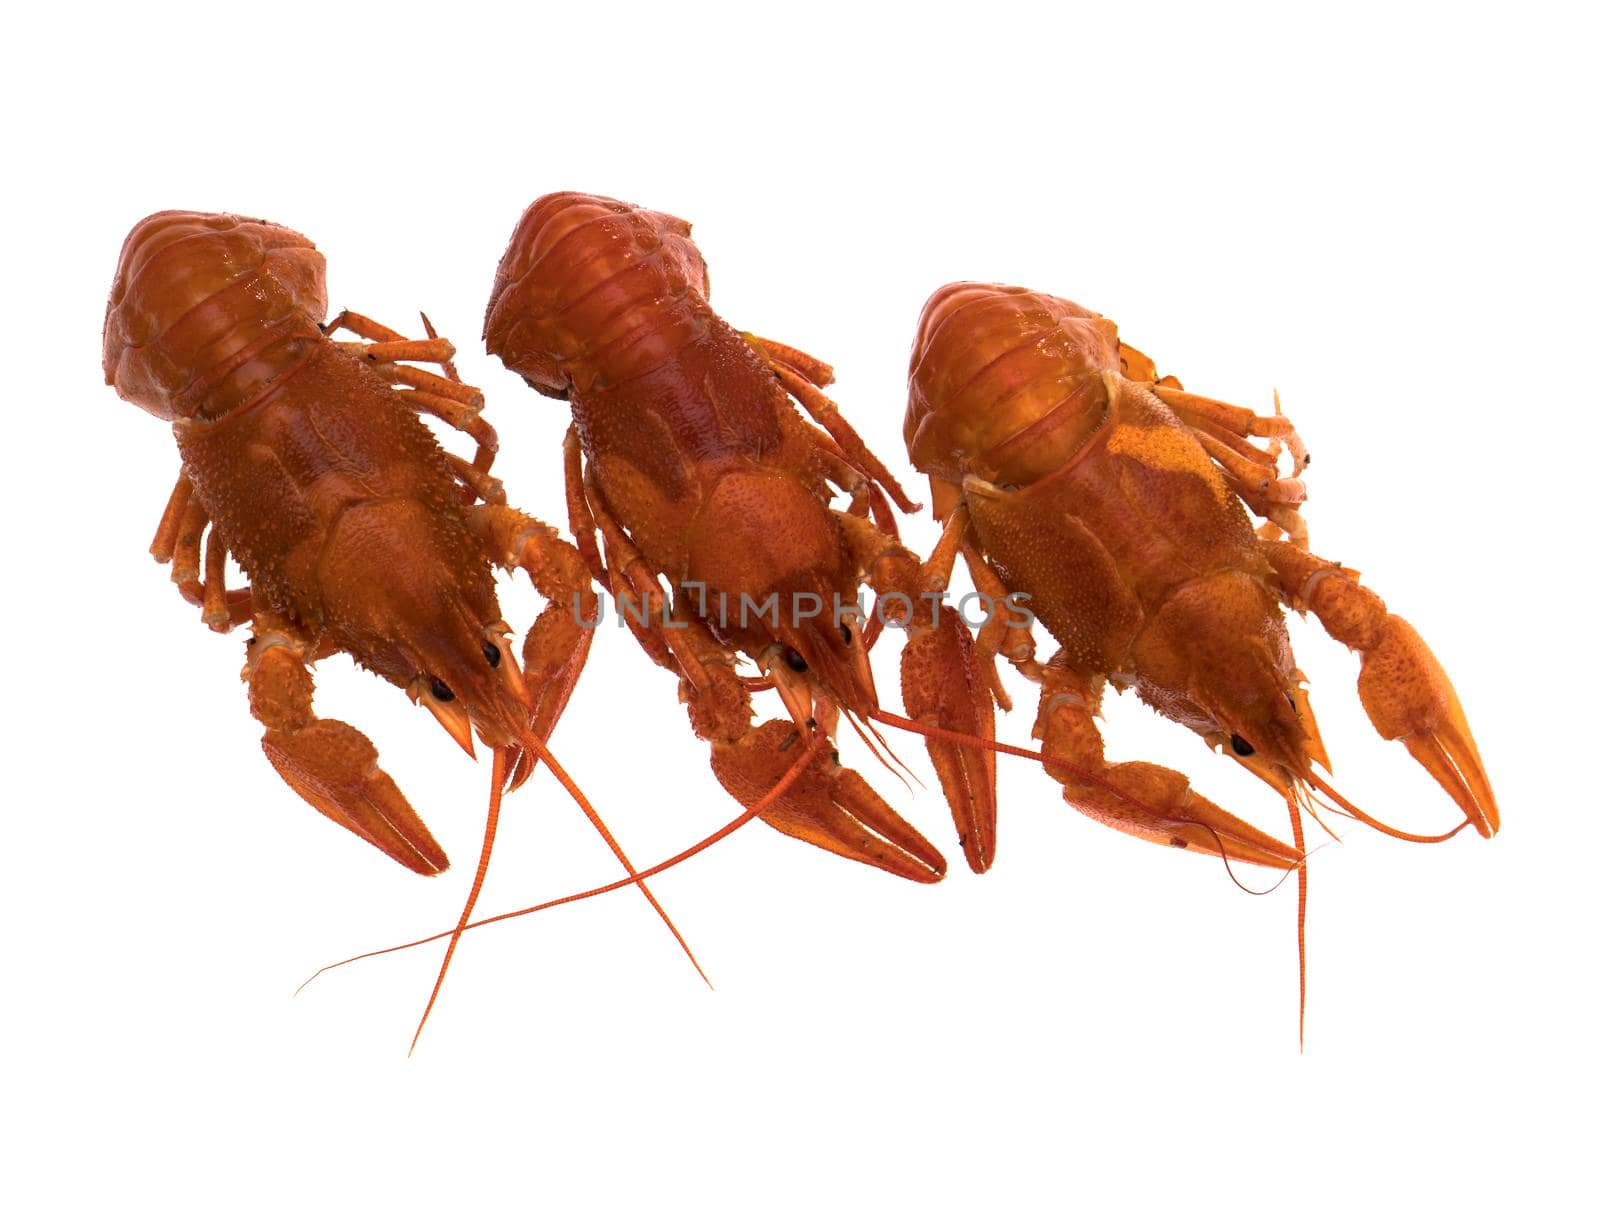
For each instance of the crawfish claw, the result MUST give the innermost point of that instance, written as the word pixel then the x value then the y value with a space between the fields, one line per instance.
pixel 942 685
pixel 334 768
pixel 1156 804
pixel 829 806
pixel 330 764
pixel 1409 698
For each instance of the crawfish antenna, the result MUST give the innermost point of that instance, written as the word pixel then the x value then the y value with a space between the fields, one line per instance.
pixel 779 789
pixel 1298 830
pixel 535 745
pixel 497 780
pixel 1352 810
pixel 996 746
pixel 940 733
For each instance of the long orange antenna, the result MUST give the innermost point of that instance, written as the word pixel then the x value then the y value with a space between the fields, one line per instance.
pixel 491 826
pixel 611 842
pixel 994 746
pixel 496 789
pixel 1353 810
pixel 780 788
pixel 1011 750
pixel 1298 829
pixel 1294 821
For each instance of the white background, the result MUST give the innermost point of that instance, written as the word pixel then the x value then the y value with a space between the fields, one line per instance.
pixel 1386 214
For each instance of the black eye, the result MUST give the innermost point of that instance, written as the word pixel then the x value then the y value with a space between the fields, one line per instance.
pixel 794 660
pixel 440 690
pixel 848 637
pixel 491 653
pixel 1241 745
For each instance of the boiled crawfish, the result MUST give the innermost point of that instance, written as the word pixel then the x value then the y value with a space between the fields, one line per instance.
pixel 689 459
pixel 1116 502
pixel 308 461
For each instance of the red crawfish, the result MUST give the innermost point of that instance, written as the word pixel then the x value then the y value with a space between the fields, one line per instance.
pixel 307 460
pixel 1116 501
pixel 688 457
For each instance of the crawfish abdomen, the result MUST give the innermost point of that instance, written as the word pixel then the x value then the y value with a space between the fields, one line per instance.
pixel 592 291
pixel 208 312
pixel 1006 383
pixel 605 304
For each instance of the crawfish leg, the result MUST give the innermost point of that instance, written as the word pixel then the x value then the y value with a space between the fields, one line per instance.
pixel 866 496
pixel 640 598
pixel 942 682
pixel 581 521
pixel 557 645
pixel 382 344
pixel 384 349
pixel 177 541
pixel 329 764
pixel 190 532
pixel 366 329
pixel 1007 632
pixel 464 418
pixel 797 380
pixel 221 608
pixel 815 371
pixel 1230 421
pixel 842 475
pixel 1403 687
pixel 1250 471
pixel 579 517
pixel 446 397
pixel 165 542
pixel 479 484
pixel 1136 797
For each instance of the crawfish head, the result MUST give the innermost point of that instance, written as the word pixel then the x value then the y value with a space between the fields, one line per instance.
pixel 414 602
pixel 780 587
pixel 1216 657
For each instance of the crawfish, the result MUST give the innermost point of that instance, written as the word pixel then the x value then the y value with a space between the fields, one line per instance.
pixel 689 459
pixel 1116 501
pixel 307 460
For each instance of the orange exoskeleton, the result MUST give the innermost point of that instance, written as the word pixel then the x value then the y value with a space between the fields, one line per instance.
pixel 308 461
pixel 689 457
pixel 1116 502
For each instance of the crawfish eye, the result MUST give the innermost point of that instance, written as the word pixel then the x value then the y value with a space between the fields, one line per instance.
pixel 1240 745
pixel 440 690
pixel 491 653
pixel 845 631
pixel 795 660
